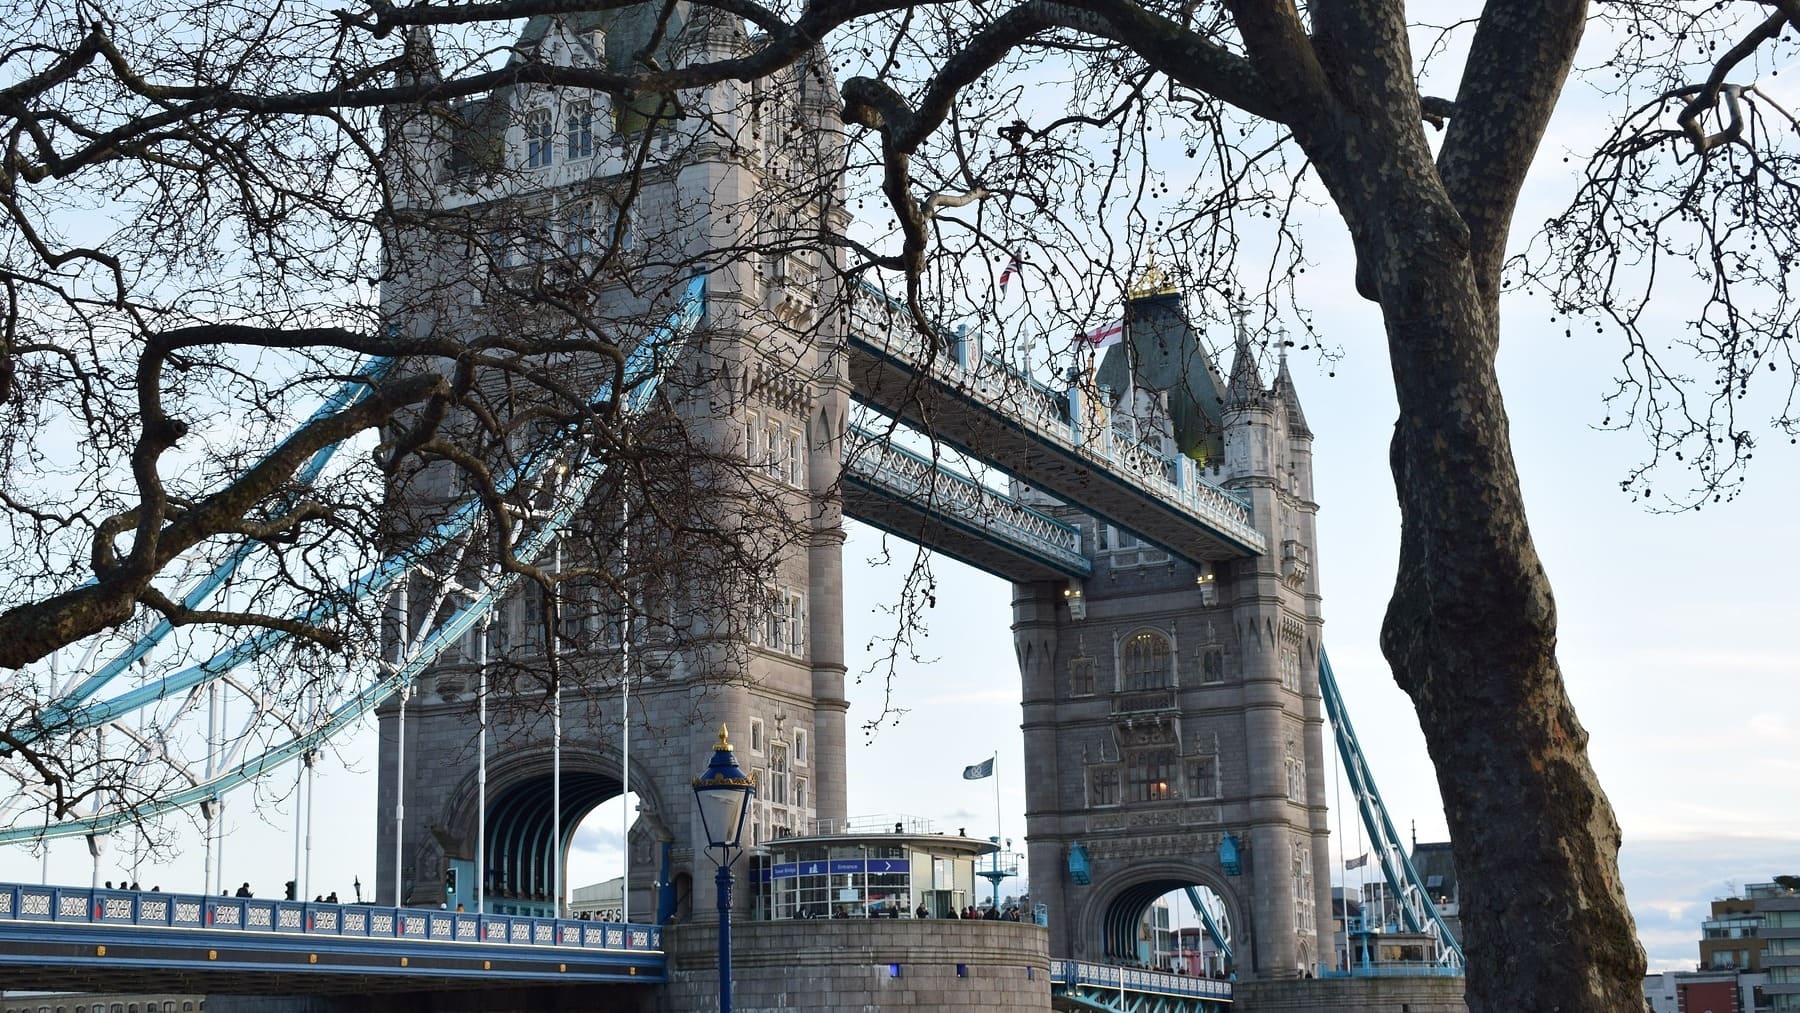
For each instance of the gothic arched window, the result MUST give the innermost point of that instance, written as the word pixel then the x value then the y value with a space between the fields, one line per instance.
pixel 1146 662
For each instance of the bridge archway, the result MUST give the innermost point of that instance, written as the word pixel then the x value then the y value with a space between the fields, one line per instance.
pixel 521 825
pixel 1112 920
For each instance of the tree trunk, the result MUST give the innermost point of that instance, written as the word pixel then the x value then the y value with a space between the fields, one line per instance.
pixel 1471 635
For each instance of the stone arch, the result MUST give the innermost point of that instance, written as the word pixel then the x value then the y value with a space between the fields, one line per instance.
pixel 1107 921
pixel 519 821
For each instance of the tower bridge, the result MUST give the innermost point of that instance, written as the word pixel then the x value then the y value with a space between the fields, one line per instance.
pixel 1167 615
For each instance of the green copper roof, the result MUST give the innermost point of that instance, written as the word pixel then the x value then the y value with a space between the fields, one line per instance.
pixel 1170 356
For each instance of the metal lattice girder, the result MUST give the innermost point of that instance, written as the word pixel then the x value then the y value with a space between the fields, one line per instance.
pixel 1403 881
pixel 571 483
pixel 923 500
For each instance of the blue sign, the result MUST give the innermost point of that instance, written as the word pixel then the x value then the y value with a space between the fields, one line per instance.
pixel 840 867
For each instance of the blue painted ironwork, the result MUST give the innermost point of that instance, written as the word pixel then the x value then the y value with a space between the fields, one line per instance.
pixel 876 464
pixel 644 369
pixel 346 396
pixel 1132 989
pixel 155 910
pixel 1403 881
pixel 1079 872
pixel 1213 931
pixel 881 327
pixel 1229 859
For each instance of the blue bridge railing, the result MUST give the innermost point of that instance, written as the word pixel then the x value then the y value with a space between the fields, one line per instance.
pixel 122 908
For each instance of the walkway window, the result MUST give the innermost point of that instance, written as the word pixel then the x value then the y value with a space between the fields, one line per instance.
pixel 1146 659
pixel 1149 775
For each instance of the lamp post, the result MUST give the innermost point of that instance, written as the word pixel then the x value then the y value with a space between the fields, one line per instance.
pixel 723 793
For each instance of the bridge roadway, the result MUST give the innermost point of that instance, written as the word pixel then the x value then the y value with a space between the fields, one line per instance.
pixel 79 939
pixel 1048 439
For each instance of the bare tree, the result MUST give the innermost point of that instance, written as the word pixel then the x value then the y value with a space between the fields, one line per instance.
pixel 214 144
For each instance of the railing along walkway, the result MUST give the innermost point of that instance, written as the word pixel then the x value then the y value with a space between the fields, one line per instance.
pixel 1031 545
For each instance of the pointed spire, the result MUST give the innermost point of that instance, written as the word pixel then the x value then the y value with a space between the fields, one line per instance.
pixel 1290 399
pixel 1245 386
pixel 419 60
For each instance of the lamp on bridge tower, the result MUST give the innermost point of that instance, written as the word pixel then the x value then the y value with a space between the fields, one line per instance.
pixel 723 792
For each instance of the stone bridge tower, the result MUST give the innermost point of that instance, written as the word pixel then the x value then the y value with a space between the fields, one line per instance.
pixel 532 200
pixel 1172 708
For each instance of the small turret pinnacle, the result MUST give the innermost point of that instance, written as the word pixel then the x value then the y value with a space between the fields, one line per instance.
pixel 419 60
pixel 1290 399
pixel 1245 385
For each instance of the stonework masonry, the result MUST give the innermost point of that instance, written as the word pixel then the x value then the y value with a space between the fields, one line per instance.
pixel 1353 995
pixel 861 964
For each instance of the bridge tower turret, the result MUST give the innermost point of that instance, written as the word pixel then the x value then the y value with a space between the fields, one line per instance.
pixel 1170 701
pixel 557 198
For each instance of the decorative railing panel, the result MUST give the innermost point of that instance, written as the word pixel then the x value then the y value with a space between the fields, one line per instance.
pixel 917 479
pixel 1074 973
pixel 124 908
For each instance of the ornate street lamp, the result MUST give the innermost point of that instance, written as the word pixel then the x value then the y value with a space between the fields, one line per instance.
pixel 723 792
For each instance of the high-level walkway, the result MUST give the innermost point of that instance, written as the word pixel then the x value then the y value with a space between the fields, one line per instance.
pixel 1047 438
pixel 922 500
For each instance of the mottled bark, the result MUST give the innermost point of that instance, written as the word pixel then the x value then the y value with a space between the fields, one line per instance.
pixel 1471 635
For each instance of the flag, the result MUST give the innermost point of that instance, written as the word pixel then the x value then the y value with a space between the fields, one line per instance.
pixel 1358 862
pixel 1106 334
pixel 1012 268
pixel 976 772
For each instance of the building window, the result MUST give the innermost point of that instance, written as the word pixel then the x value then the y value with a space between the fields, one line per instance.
pixel 1296 773
pixel 799 747
pixel 1149 775
pixel 537 139
pixel 578 230
pixel 581 130
pixel 1146 662
pixel 1290 668
pixel 800 792
pixel 794 459
pixel 774 621
pixel 796 622
pixel 1303 888
pixel 1212 664
pixel 773 447
pixel 1081 676
pixel 778 774
pixel 1103 786
pixel 1203 777
pixel 756 735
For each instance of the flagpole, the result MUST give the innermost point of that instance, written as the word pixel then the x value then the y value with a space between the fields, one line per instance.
pixel 997 823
